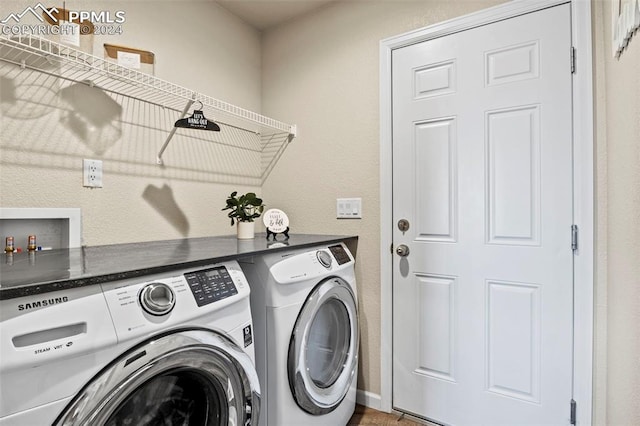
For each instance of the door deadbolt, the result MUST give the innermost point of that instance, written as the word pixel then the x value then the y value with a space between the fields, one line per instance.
pixel 403 225
pixel 402 250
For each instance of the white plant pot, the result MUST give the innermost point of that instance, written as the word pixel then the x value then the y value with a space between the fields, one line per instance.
pixel 246 230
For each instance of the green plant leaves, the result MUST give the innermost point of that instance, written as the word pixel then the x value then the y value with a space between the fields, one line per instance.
pixel 245 208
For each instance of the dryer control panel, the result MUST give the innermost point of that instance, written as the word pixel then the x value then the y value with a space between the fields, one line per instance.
pixel 311 264
pixel 340 253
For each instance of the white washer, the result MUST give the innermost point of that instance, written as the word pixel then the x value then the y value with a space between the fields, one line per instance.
pixel 176 346
pixel 304 305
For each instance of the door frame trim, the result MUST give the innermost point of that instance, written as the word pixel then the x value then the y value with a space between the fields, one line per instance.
pixel 583 183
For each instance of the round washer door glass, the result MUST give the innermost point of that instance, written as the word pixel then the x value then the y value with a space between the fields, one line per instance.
pixel 323 353
pixel 180 397
pixel 192 377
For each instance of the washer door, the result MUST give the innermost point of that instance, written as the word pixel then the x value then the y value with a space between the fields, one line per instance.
pixel 323 352
pixel 192 377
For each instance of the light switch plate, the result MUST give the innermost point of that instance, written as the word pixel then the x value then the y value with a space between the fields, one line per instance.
pixel 349 208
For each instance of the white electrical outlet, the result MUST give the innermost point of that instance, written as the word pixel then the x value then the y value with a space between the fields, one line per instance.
pixel 92 175
pixel 349 208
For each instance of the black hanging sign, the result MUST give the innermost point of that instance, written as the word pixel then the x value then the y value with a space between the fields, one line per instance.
pixel 197 121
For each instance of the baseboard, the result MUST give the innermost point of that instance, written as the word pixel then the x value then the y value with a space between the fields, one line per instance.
pixel 369 399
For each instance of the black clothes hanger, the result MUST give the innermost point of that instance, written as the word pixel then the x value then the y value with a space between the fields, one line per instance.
pixel 197 121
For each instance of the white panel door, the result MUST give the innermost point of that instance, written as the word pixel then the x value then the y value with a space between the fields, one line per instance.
pixel 482 304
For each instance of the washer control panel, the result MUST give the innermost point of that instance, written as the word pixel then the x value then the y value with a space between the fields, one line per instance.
pixel 140 306
pixel 211 285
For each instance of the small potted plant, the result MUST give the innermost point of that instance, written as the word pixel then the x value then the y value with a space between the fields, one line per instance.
pixel 244 209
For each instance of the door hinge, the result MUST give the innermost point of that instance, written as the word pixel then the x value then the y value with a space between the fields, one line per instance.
pixel 391 248
pixel 573 412
pixel 574 237
pixel 573 60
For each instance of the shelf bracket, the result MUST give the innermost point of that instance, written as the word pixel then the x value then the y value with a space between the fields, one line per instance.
pixel 173 130
pixel 293 132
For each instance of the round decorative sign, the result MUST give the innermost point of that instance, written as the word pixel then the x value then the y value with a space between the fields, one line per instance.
pixel 275 220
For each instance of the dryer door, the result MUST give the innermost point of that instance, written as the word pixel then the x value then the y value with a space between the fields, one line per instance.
pixel 323 352
pixel 192 377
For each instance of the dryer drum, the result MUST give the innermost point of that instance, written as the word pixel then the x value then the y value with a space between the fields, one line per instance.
pixel 323 351
pixel 191 377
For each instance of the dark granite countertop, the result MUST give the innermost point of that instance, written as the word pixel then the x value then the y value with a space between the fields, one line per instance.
pixel 25 274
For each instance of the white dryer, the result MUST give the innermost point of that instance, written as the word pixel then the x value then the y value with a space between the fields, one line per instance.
pixel 175 348
pixel 304 305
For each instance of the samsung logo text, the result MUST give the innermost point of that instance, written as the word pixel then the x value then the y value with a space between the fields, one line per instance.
pixel 42 303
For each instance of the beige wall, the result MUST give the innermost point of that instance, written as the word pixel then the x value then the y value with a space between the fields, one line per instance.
pixel 321 72
pixel 617 367
pixel 198 45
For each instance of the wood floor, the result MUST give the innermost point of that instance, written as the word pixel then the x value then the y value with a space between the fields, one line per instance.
pixel 369 416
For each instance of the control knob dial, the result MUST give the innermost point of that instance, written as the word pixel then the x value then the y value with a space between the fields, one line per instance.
pixel 157 299
pixel 324 258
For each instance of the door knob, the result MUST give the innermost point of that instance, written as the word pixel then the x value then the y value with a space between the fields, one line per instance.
pixel 402 250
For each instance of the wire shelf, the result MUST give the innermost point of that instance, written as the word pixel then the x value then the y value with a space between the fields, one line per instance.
pixel 270 136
